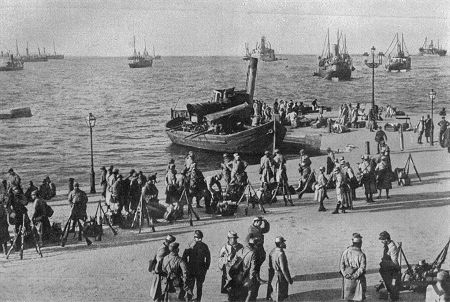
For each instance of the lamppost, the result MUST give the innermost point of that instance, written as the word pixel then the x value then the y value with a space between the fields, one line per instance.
pixel 432 96
pixel 90 121
pixel 373 76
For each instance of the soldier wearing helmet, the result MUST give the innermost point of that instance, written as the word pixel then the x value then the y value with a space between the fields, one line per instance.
pixel 278 265
pixel 174 274
pixel 390 269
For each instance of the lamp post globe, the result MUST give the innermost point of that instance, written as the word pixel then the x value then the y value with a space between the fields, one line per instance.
pixel 90 121
pixel 432 95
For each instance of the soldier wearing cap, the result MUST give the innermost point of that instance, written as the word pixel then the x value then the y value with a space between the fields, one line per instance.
pixel 278 266
pixel 367 177
pixel 110 180
pixel 171 184
pixel 250 270
pixel 103 182
pixel 238 174
pixel 226 167
pixel 78 200
pixel 320 189
pixel 197 185
pixel 390 269
pixel 198 259
pixel 40 216
pixel 353 270
pixel 155 268
pixel 134 191
pixel 228 255
pixel 213 192
pixel 265 169
pixel 149 192
pixel 174 273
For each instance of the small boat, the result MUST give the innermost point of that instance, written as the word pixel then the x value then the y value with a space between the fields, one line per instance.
pixel 140 61
pixel 225 123
pixel 401 61
pixel 263 51
pixel 337 65
pixel 55 56
pixel 431 50
pixel 365 54
pixel 10 63
pixel 16 113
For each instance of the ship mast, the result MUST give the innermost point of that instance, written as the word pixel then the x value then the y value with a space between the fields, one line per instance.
pixel 134 45
pixel 54 49
pixel 328 43
pixel 27 50
pixel 17 49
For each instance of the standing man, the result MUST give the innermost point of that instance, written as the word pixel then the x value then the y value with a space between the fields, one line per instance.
pixel 174 274
pixel 265 168
pixel 40 217
pixel 213 194
pixel 188 161
pixel 421 129
pixel 103 182
pixel 78 200
pixel 226 168
pixel 368 178
pixel 198 259
pixel 228 255
pixel 428 126
pixel 155 268
pixel 197 185
pixel 238 174
pixel 380 136
pixel 14 183
pixel 278 266
pixel 443 124
pixel 250 272
pixel 320 189
pixel 390 269
pixel 353 270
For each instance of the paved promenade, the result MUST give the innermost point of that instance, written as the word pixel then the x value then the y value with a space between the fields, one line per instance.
pixel 116 268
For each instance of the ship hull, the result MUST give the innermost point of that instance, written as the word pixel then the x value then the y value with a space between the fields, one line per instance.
pixel 254 140
pixel 141 64
pixel 32 59
pixel 343 73
pixel 3 68
pixel 399 65
pixel 55 57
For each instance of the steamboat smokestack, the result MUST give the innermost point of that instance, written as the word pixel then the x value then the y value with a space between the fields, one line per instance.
pixel 251 78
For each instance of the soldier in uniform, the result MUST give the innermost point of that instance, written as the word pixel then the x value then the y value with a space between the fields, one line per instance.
pixel 103 182
pixel 198 259
pixel 197 185
pixel 174 274
pixel 188 161
pixel 238 174
pixel 171 186
pixel 228 255
pixel 78 200
pixel 14 183
pixel 353 270
pixel 321 189
pixel 226 168
pixel 249 271
pixel 155 268
pixel 368 178
pixel 278 266
pixel 135 191
pixel 265 169
pixel 40 217
pixel 257 230
pixel 390 269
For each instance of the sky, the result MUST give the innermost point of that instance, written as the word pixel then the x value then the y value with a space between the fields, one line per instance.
pixel 209 28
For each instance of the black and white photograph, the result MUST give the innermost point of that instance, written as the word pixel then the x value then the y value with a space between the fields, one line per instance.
pixel 224 151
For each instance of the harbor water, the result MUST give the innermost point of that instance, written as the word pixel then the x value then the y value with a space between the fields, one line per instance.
pixel 133 105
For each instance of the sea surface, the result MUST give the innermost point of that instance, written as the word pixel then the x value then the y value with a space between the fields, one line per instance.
pixel 133 105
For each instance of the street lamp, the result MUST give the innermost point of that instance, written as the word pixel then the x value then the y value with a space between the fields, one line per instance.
pixel 432 96
pixel 373 77
pixel 90 121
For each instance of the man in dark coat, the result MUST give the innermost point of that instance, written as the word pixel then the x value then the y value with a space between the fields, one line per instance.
pixel 198 259
pixel 197 185
pixel 103 181
pixel 40 217
pixel 390 269
pixel 78 200
pixel 278 267
pixel 380 136
pixel 30 189
pixel 228 255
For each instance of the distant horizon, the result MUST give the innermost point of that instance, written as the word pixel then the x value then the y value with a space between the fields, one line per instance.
pixel 217 28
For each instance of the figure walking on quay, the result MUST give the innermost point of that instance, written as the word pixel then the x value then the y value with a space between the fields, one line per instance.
pixel 420 128
pixel 367 177
pixel 384 175
pixel 390 269
pixel 198 260
pixel 338 178
pixel 279 268
pixel 320 189
pixel 443 125
pixel 228 255
pixel 380 136
pixel 353 270
pixel 428 126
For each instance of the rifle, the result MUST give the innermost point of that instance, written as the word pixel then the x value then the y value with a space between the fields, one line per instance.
pixel 269 284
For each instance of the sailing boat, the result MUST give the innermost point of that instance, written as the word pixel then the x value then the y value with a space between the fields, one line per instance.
pixel 140 61
pixel 401 61
pixel 155 56
pixel 430 49
pixel 33 57
pixel 55 56
pixel 338 64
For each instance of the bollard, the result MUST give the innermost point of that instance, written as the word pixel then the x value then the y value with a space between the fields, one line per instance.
pixel 402 141
pixel 368 148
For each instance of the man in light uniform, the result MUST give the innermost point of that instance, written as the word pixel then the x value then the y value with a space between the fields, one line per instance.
pixel 228 255
pixel 278 266
pixel 353 270
pixel 174 274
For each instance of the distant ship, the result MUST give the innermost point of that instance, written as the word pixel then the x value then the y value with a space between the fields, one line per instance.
pixel 140 61
pixel 55 56
pixel 365 54
pixel 401 61
pixel 338 64
pixel 431 50
pixel 155 56
pixel 34 57
pixel 262 51
pixel 10 63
